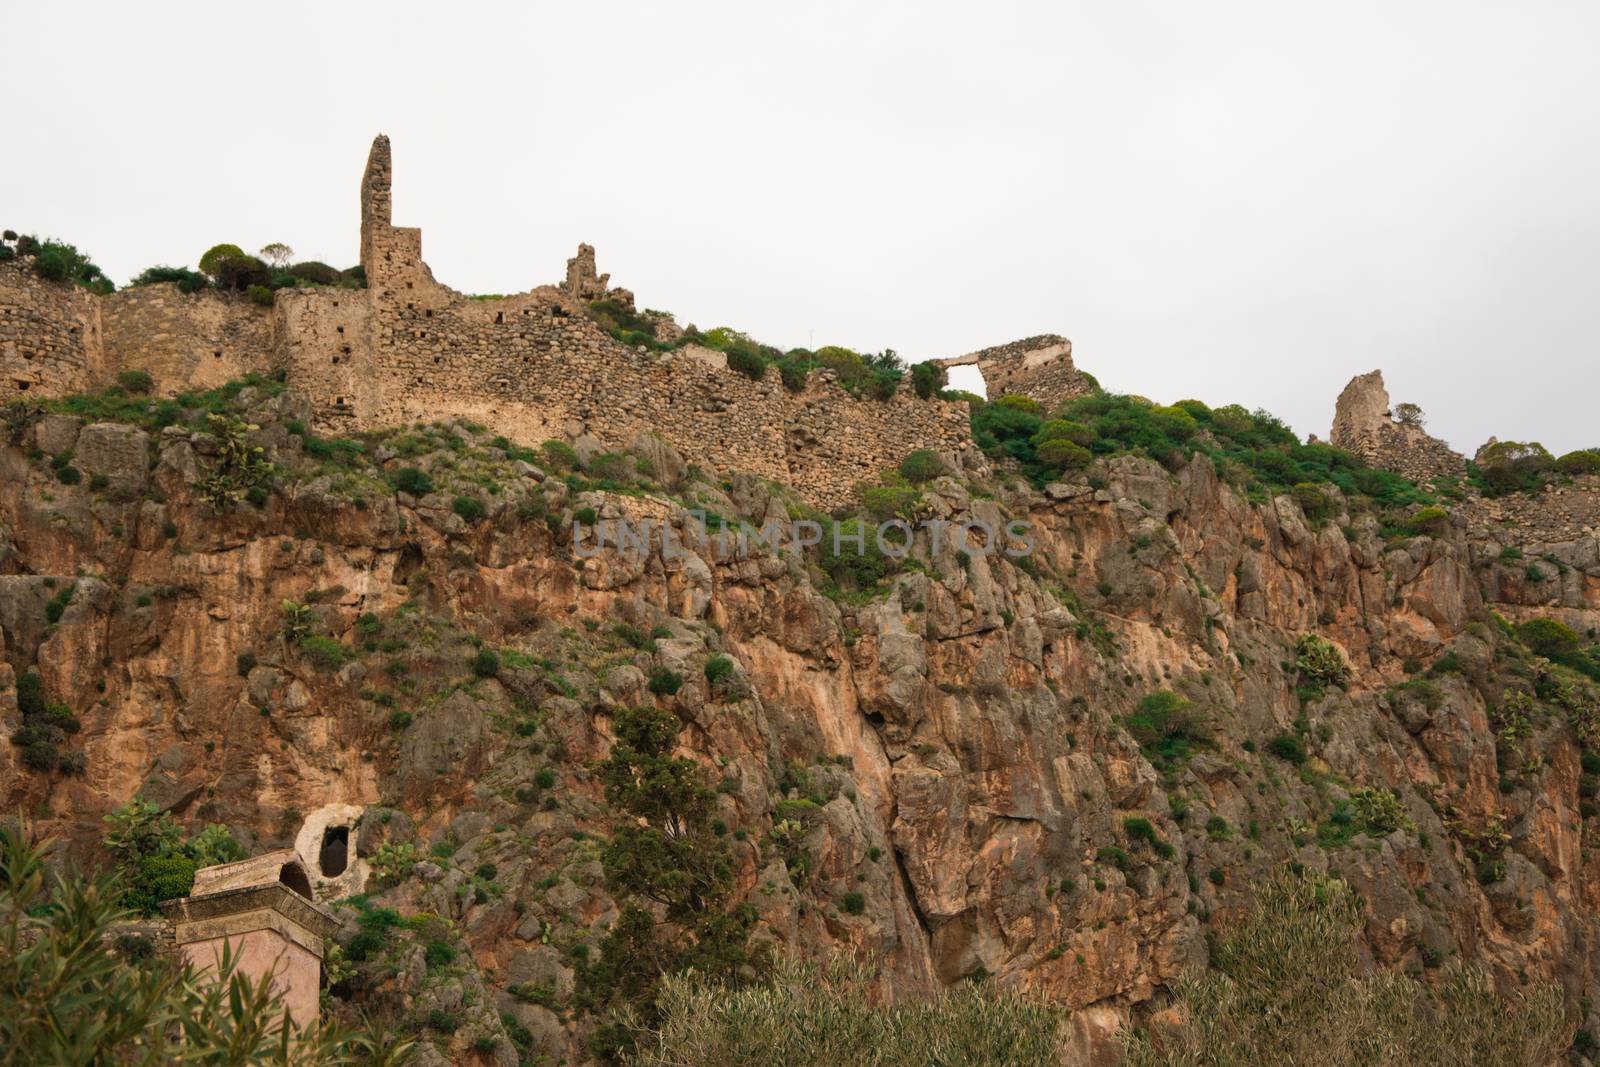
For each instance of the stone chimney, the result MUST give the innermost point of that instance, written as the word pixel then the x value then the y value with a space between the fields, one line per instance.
pixel 261 908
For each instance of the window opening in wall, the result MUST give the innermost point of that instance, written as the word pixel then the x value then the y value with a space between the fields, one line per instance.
pixel 344 349
pixel 338 401
pixel 216 353
pixel 22 386
pixel 292 876
pixel 338 329
pixel 429 313
pixel 409 285
pixel 499 317
pixel 335 854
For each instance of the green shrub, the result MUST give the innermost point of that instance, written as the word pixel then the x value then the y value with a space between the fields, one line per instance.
pixel 1289 748
pixel 486 664
pixel 411 481
pixel 558 455
pixel 664 682
pixel 399 720
pixel 188 281
pixel 1063 454
pixel 1287 985
pixel 748 363
pixel 137 382
pixel 1430 521
pixel 68 475
pixel 438 954
pixel 39 754
pixel 923 465
pixel 718 667
pixel 892 496
pixel 1548 637
pixel 1315 503
pixel 470 508
pixel 316 273
pixel 854 903
pixel 1320 660
pixel 610 466
pixel 1167 728
pixel 928 379
pixel 1583 461
pixel 822 1016
pixel 211 260
pixel 324 652
pixel 50 265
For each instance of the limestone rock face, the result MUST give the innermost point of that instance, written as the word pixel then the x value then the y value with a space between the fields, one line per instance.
pixel 944 770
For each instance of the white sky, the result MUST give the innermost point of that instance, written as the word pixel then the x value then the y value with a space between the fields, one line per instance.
pixel 1240 202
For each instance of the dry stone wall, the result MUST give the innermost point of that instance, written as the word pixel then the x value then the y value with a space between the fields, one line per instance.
pixel 407 349
pixel 49 334
pixel 1559 513
pixel 186 341
pixel 1363 424
pixel 1039 367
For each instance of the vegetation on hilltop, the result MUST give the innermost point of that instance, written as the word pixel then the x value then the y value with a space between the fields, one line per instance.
pixel 229 268
pixel 1526 467
pixel 55 260
pixel 873 375
pixel 1252 450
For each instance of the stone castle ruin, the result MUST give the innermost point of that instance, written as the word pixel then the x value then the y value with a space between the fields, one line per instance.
pixel 1040 367
pixel 530 366
pixel 1364 423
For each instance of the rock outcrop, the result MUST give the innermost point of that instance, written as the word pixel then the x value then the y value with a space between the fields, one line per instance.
pixel 966 770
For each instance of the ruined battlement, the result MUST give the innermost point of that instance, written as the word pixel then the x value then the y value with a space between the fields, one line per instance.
pixel 1039 367
pixel 1364 423
pixel 408 348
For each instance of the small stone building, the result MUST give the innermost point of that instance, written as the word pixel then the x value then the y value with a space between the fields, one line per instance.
pixel 261 910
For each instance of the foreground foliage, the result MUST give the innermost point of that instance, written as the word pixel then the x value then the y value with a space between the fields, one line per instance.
pixel 74 992
pixel 1285 988
pixel 811 1017
pixel 672 873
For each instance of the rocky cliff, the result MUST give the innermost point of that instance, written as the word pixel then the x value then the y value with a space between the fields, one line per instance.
pixel 1061 770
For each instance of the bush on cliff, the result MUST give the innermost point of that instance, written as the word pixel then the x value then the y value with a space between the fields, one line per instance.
pixel 1294 960
pixel 672 874
pixel 188 281
pixel 1168 729
pixel 316 273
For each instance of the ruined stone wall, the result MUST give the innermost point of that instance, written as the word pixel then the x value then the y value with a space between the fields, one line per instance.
pixel 57 338
pixel 1559 513
pixel 186 341
pixel 530 366
pixel 1363 424
pixel 1039 367
pixel 533 367
pixel 49 334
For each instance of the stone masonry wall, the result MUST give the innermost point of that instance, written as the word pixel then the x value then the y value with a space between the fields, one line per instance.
pixel 49 334
pixel 186 341
pixel 1363 424
pixel 1559 513
pixel 1039 367
pixel 530 366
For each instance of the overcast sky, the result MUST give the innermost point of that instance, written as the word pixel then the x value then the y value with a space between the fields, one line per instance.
pixel 1237 202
